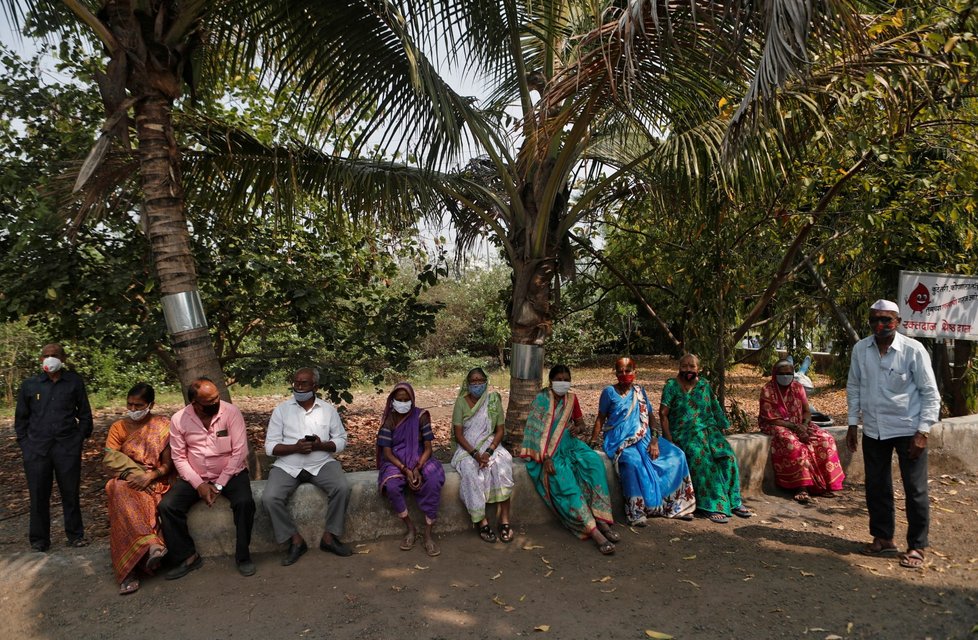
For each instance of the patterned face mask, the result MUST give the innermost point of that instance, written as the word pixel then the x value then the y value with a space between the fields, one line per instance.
pixel 478 389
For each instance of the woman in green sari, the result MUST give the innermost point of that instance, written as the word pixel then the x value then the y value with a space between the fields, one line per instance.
pixel 568 474
pixel 693 419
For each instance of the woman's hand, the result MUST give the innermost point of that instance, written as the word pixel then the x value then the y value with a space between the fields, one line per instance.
pixel 483 459
pixel 548 466
pixel 413 477
pixel 140 481
pixel 654 449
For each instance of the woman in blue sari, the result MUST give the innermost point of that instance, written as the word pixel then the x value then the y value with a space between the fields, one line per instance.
pixel 568 474
pixel 653 472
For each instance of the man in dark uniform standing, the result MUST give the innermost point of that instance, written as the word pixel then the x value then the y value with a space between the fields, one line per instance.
pixel 53 418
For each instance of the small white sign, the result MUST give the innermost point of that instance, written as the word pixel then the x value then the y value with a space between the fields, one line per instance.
pixel 938 305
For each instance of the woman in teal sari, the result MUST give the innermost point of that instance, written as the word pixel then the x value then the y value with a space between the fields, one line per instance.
pixel 567 473
pixel 693 419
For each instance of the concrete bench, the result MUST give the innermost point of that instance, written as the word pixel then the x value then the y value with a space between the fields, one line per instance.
pixel 953 449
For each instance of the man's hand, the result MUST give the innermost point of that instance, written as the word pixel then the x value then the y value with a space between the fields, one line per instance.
pixel 305 446
pixel 852 438
pixel 207 492
pixel 918 445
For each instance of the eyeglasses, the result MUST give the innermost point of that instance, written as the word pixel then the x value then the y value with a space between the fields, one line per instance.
pixel 881 320
pixel 303 384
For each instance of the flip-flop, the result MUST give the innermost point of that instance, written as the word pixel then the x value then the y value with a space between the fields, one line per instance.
pixel 606 549
pixel 718 518
pixel 155 559
pixel 431 548
pixel 874 550
pixel 407 546
pixel 611 535
pixel 485 532
pixel 506 532
pixel 742 512
pixel 802 497
pixel 129 585
pixel 912 559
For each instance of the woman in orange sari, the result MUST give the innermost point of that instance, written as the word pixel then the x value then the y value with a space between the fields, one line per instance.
pixel 137 452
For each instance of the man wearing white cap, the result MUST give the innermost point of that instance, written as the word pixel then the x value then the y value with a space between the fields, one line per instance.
pixel 891 384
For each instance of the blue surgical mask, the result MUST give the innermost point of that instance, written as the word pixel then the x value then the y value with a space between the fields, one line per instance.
pixel 303 396
pixel 478 389
pixel 784 379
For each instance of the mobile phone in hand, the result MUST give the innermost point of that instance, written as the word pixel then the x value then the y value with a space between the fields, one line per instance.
pixel 310 438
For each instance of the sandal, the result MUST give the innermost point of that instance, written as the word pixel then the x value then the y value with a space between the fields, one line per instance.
pixel 431 548
pixel 129 585
pixel 912 559
pixel 802 497
pixel 742 512
pixel 154 559
pixel 718 518
pixel 408 543
pixel 606 549
pixel 877 549
pixel 610 534
pixel 505 532
pixel 485 532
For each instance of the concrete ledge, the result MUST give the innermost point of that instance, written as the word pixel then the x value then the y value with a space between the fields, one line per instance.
pixel 953 449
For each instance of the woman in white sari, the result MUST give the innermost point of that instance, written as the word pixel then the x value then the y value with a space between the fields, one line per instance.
pixel 485 468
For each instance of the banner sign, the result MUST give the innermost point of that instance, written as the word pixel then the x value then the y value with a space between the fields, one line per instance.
pixel 938 305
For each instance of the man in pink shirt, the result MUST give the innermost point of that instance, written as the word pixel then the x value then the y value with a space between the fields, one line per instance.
pixel 210 447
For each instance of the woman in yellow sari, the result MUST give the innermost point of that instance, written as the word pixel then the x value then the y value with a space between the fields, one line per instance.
pixel 137 452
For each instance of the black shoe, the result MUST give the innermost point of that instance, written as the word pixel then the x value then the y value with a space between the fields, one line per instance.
pixel 78 542
pixel 336 547
pixel 295 552
pixel 40 547
pixel 246 568
pixel 183 569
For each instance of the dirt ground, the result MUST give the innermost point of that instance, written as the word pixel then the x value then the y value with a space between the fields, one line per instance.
pixel 791 572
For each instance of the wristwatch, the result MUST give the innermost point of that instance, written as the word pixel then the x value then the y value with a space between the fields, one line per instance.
pixel 219 487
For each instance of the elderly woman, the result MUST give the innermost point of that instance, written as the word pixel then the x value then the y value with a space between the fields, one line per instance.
pixel 567 473
pixel 692 418
pixel 404 463
pixel 805 457
pixel 653 473
pixel 485 468
pixel 137 453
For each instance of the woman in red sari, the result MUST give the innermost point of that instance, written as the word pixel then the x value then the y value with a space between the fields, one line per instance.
pixel 137 452
pixel 805 457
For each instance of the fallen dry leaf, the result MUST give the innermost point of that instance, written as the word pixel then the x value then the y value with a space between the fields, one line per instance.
pixel 604 579
pixel 547 574
pixel 832 636
pixel 692 557
pixel 396 587
pixel 498 575
pixel 542 627
pixel 522 597
pixel 691 582
pixel 658 635
pixel 807 574
pixel 611 590
pixel 531 547
pixel 509 609
pixel 498 600
pixel 849 627
pixel 420 568
pixel 675 539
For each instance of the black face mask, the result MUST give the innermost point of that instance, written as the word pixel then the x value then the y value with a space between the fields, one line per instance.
pixel 689 376
pixel 210 409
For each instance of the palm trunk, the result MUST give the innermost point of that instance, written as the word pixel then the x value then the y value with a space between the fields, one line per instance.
pixel 166 224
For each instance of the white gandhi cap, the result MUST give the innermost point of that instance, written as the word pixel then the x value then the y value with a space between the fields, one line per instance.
pixel 885 305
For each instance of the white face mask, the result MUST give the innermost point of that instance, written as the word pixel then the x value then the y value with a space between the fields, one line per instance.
pixel 136 416
pixel 560 387
pixel 401 407
pixel 51 364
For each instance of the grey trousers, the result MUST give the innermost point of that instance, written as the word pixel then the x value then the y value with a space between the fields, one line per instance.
pixel 280 485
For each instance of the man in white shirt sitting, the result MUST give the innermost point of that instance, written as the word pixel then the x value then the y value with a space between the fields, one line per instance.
pixel 892 385
pixel 303 433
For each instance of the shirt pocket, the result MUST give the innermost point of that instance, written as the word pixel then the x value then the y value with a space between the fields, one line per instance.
pixel 222 445
pixel 896 381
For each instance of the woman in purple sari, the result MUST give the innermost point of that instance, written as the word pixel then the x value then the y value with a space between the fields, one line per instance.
pixel 404 462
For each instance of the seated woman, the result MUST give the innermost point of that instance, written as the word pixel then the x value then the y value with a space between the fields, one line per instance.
pixel 567 473
pixel 805 457
pixel 137 452
pixel 484 467
pixel 653 473
pixel 692 418
pixel 404 462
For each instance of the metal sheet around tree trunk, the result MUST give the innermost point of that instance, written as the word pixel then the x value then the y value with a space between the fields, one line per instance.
pixel 527 361
pixel 183 312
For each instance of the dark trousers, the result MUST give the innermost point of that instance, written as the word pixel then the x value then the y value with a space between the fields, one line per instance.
pixel 878 460
pixel 63 463
pixel 176 505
